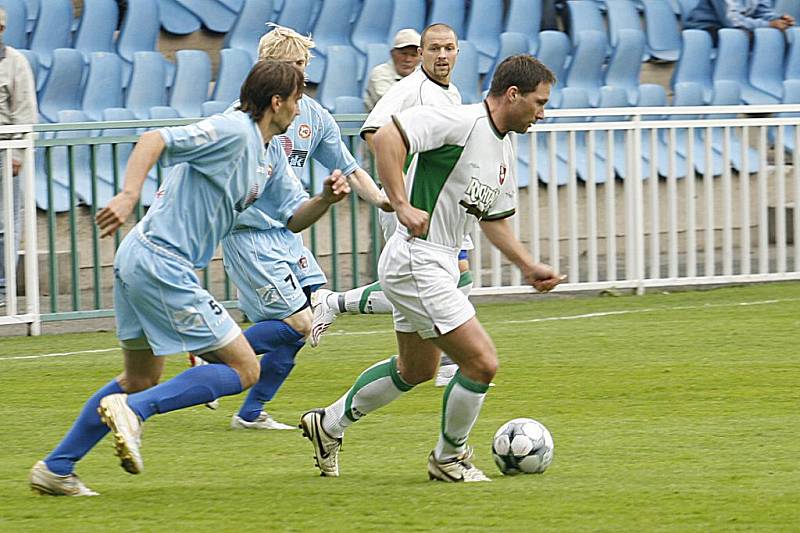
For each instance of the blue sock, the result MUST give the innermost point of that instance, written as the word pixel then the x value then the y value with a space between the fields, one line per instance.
pixel 198 385
pixel 279 342
pixel 86 431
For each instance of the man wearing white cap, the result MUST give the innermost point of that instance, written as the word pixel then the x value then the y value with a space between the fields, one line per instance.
pixel 405 58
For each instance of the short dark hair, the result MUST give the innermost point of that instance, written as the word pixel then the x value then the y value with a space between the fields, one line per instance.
pixel 266 79
pixel 522 70
pixel 432 26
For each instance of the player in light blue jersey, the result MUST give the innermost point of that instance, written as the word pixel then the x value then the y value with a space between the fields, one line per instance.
pixel 161 309
pixel 274 271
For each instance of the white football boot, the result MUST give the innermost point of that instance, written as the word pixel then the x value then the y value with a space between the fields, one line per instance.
pixel 455 470
pixel 326 448
pixel 44 481
pixel 264 421
pixel 324 315
pixel 126 429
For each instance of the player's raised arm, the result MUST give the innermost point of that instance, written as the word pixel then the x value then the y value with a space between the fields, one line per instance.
pixel 144 156
pixel 391 150
pixel 541 276
pixel 364 186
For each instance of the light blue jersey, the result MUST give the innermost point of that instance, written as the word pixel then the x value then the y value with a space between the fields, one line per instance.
pixel 267 262
pixel 221 169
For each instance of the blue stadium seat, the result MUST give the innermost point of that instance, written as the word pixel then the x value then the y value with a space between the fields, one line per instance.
pixel 372 25
pixel 484 25
pixel 62 90
pixel 554 49
pixel 33 61
pixel 332 28
pixel 792 71
pixel 212 107
pixel 32 8
pixel 510 44
pixel 652 95
pixel 105 156
pixel 377 53
pixel 610 97
pixel 177 19
pixel 465 74
pixel 732 65
pixel 103 84
pixel 216 16
pixel 525 17
pixel 147 87
pixel 407 14
pixel 451 12
pixel 349 105
pixel 53 30
pixel 691 94
pixel 623 15
pixel 140 29
pixel 163 112
pixel 339 79
pixel 584 15
pixel 586 68
pixel 728 93
pixel 97 26
pixel 249 27
pixel 694 64
pixel 791 95
pixel 192 78
pixel 16 33
pixel 234 65
pixel 81 162
pixel 625 65
pixel 766 61
pixel 663 33
pixel 296 14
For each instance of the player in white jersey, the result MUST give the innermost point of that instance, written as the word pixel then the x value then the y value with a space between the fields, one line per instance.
pixel 274 272
pixel 159 304
pixel 470 152
pixel 428 85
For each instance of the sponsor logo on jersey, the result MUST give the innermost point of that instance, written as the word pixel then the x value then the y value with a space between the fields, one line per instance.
pixel 297 158
pixel 479 197
pixel 304 131
pixel 286 143
pixel 268 294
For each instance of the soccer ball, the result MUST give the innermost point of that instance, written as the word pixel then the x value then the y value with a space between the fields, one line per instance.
pixel 522 446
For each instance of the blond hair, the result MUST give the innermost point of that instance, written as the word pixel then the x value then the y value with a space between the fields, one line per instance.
pixel 284 43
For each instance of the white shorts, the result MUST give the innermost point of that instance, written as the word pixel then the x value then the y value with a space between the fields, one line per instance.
pixel 420 279
pixel 389 223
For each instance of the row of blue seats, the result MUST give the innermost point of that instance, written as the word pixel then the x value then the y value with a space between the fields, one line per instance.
pixel 103 84
pixel 760 73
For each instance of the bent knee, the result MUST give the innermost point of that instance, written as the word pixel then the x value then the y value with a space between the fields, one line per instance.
pixel 248 372
pixel 482 369
pixel 138 383
pixel 301 322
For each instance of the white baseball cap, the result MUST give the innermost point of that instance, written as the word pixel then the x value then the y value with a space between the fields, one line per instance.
pixel 406 37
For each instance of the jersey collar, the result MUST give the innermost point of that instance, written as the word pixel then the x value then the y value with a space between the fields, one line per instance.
pixel 496 132
pixel 443 85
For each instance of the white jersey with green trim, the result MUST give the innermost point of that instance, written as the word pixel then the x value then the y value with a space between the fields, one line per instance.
pixel 463 170
pixel 415 89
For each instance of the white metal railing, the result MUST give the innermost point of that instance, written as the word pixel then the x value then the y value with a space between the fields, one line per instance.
pixel 716 211
pixel 11 313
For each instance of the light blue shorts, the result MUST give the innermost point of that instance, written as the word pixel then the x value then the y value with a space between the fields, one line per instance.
pixel 157 295
pixel 270 268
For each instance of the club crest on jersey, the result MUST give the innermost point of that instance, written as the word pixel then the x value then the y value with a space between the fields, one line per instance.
pixel 502 176
pixel 304 131
pixel 303 262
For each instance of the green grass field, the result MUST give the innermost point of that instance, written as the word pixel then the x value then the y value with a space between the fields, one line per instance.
pixel 670 412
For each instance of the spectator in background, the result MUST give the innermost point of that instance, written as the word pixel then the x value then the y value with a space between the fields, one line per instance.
pixel 17 106
pixel 713 15
pixel 405 59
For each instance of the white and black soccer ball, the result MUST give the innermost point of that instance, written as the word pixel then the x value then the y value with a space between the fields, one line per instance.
pixel 522 446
